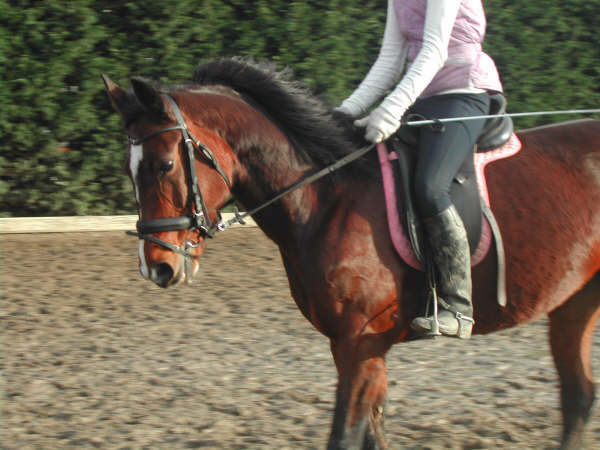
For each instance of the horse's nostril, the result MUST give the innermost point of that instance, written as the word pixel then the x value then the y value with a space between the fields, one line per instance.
pixel 161 274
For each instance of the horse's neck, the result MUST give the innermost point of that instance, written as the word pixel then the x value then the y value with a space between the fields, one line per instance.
pixel 268 164
pixel 267 170
pixel 283 219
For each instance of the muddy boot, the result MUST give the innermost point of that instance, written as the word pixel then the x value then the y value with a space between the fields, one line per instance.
pixel 452 258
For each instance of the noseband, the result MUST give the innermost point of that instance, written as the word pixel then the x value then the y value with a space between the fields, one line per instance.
pixel 198 218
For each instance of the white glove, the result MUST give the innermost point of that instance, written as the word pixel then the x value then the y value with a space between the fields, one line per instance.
pixel 380 124
pixel 344 110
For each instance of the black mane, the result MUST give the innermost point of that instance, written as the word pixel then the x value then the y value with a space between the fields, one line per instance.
pixel 305 119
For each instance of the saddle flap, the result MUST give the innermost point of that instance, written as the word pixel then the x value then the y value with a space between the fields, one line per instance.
pixel 464 192
pixel 403 177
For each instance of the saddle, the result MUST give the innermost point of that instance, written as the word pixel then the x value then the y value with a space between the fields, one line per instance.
pixel 468 192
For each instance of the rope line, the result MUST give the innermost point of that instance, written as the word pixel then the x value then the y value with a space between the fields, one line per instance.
pixel 416 123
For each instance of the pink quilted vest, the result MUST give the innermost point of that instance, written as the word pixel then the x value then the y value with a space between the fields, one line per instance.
pixel 467 65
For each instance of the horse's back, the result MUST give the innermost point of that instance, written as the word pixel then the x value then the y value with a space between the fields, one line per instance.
pixel 546 200
pixel 581 136
pixel 589 124
pixel 572 149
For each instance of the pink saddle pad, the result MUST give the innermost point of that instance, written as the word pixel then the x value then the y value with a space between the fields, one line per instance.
pixel 397 231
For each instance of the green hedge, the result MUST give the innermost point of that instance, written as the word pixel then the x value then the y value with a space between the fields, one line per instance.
pixel 62 150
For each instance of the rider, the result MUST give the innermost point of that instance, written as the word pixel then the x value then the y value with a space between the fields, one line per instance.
pixel 447 75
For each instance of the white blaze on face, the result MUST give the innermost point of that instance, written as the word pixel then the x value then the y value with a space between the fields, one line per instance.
pixel 136 154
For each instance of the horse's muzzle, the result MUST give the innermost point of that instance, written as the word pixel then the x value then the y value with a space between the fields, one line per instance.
pixel 162 274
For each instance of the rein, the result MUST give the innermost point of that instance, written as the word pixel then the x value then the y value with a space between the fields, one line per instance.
pixel 239 218
pixel 198 218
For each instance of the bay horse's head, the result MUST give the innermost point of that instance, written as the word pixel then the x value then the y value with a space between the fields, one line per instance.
pixel 181 172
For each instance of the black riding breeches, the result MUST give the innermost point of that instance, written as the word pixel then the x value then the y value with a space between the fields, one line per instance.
pixel 442 149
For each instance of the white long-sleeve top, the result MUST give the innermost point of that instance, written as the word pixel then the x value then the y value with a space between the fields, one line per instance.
pixel 390 63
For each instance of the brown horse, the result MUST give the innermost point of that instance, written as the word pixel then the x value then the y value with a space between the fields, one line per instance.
pixel 248 131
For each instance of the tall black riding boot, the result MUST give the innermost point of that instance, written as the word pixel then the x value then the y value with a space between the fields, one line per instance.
pixel 452 258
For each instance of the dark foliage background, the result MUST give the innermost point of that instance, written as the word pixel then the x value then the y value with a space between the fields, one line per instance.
pixel 62 150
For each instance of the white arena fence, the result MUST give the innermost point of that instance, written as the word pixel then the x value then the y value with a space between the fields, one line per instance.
pixel 76 224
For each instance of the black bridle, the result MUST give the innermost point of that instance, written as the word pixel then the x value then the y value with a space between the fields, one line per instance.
pixel 198 218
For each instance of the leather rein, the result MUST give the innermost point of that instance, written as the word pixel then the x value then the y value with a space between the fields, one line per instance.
pixel 198 219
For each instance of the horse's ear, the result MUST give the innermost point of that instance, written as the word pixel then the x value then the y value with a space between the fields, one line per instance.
pixel 147 94
pixel 115 93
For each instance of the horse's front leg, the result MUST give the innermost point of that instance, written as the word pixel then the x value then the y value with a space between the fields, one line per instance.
pixel 361 391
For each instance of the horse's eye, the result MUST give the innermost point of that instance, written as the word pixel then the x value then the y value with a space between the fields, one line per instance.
pixel 165 167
